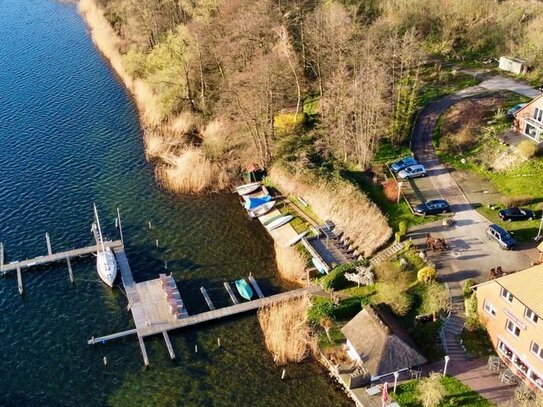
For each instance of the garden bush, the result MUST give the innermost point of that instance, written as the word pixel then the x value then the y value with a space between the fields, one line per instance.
pixel 527 149
pixel 468 292
pixel 427 274
pixel 320 307
pixel 349 307
pixel 335 280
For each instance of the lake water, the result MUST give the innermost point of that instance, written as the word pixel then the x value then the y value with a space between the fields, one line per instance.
pixel 69 136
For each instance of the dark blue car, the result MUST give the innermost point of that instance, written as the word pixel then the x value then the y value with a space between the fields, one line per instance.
pixel 501 236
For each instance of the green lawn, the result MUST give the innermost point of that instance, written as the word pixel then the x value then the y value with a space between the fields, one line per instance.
pixel 458 395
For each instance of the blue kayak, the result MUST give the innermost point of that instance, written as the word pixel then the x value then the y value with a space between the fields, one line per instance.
pixel 253 203
pixel 244 289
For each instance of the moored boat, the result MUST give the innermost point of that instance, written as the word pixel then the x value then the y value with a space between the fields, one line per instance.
pixel 318 265
pixel 262 209
pixel 248 188
pixel 252 203
pixel 279 222
pixel 244 289
pixel 106 265
pixel 296 238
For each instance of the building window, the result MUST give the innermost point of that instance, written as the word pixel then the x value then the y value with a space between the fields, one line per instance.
pixel 489 308
pixel 532 316
pixel 506 295
pixel 513 329
pixel 538 114
pixel 537 350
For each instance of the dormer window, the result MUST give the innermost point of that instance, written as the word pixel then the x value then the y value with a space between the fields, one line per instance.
pixel 506 295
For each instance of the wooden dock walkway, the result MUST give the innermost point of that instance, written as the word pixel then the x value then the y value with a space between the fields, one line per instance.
pixel 206 297
pixel 256 287
pixel 231 293
pixel 42 260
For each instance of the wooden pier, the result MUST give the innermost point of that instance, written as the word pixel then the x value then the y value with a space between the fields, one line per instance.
pixel 206 297
pixel 256 287
pixel 231 293
pixel 55 257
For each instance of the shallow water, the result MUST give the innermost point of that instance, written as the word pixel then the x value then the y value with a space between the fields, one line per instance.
pixel 69 136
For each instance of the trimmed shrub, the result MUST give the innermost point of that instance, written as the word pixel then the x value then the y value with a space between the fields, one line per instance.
pixel 427 274
pixel 509 201
pixel 320 307
pixel 527 149
pixel 336 278
pixel 402 227
pixel 468 292
pixel 349 307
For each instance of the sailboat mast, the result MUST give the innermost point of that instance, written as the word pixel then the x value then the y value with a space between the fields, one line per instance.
pixel 99 229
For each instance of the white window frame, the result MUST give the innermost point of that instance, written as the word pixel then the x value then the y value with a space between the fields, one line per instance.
pixel 506 295
pixel 538 352
pixel 514 329
pixel 531 316
pixel 489 308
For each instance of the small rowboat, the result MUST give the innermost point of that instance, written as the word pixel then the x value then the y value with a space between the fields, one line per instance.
pixel 244 289
pixel 253 203
pixel 248 188
pixel 296 238
pixel 318 265
pixel 279 222
pixel 262 209
pixel 272 219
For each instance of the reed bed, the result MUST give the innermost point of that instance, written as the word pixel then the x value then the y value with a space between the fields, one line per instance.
pixel 189 171
pixel 286 332
pixel 290 263
pixel 343 203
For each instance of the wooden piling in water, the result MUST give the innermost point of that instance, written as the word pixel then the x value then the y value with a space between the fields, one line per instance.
pixel 1 256
pixel 70 272
pixel 168 344
pixel 19 280
pixel 48 240
pixel 231 293
pixel 206 297
pixel 143 351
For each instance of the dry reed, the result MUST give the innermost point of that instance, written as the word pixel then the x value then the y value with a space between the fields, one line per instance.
pixel 290 263
pixel 189 171
pixel 108 42
pixel 343 203
pixel 286 331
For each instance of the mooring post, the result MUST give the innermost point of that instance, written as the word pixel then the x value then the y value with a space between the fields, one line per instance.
pixel 70 272
pixel 283 374
pixel 195 348
pixel 48 240
pixel 219 342
pixel 149 224
pixel 166 264
pixel 19 280
pixel 156 243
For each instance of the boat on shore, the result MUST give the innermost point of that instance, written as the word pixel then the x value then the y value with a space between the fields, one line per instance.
pixel 262 209
pixel 248 188
pixel 296 239
pixel 252 203
pixel 244 289
pixel 106 264
pixel 318 265
pixel 279 222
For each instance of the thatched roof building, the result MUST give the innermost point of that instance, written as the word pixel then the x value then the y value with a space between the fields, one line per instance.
pixel 382 352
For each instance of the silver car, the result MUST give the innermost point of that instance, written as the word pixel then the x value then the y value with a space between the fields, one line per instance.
pixel 413 171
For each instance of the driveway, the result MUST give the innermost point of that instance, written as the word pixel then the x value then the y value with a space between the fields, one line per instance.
pixel 471 254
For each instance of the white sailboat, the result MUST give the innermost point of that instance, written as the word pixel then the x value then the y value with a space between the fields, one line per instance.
pixel 106 265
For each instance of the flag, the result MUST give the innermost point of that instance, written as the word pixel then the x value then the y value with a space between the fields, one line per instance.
pixel 384 396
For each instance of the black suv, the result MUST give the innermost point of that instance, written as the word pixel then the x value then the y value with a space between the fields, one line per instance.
pixel 501 236
pixel 432 207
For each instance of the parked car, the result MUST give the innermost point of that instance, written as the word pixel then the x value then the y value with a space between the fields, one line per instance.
pixel 413 171
pixel 511 112
pixel 501 236
pixel 403 163
pixel 432 207
pixel 511 214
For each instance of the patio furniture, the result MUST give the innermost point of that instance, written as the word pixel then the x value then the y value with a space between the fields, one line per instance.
pixel 494 363
pixel 507 377
pixel 415 372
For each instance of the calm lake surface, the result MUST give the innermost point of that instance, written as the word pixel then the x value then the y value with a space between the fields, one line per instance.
pixel 69 136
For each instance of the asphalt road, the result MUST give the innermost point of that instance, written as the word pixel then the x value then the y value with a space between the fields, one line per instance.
pixel 470 253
